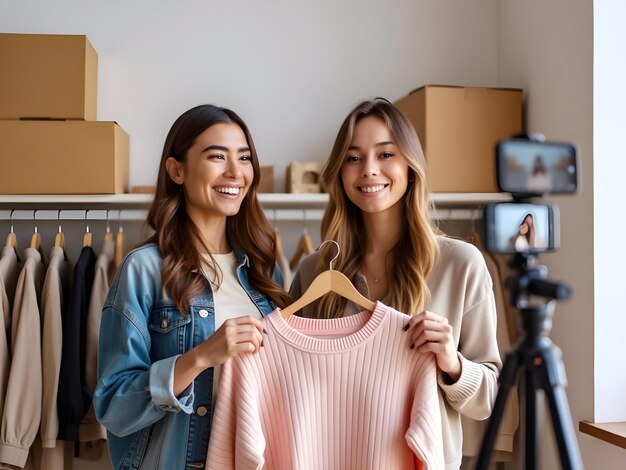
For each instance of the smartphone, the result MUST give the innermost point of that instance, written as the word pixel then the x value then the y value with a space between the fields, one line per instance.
pixel 528 167
pixel 521 228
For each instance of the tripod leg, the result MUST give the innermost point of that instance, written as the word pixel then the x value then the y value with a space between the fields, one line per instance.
pixel 505 381
pixel 531 434
pixel 554 386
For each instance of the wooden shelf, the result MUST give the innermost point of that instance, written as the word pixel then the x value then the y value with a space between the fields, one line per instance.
pixel 613 433
pixel 268 200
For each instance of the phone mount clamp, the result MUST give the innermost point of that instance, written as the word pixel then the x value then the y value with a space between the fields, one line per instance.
pixel 539 365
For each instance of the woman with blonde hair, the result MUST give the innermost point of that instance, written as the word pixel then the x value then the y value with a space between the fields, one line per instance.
pixel 189 298
pixel 378 212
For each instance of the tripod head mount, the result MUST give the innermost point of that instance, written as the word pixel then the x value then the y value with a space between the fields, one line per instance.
pixel 531 280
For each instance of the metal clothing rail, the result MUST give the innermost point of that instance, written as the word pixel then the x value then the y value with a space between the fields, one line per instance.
pixel 457 214
pixel 73 214
pixel 137 214
pixel 273 215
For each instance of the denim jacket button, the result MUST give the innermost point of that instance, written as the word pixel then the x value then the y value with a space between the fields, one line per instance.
pixel 201 411
pixel 164 323
pixel 203 313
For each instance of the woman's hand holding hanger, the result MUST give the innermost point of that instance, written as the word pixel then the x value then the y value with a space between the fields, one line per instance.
pixel 432 333
pixel 236 336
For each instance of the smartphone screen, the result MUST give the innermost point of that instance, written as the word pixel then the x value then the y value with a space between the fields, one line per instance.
pixel 530 167
pixel 520 227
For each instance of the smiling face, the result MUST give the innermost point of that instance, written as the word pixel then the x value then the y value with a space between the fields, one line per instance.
pixel 375 175
pixel 216 174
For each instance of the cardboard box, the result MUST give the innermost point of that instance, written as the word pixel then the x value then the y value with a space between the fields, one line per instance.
pixel 63 157
pixel 304 177
pixel 45 76
pixel 458 128
pixel 266 182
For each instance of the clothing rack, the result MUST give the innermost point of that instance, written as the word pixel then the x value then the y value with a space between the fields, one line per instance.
pixel 457 214
pixel 73 214
pixel 277 206
pixel 140 214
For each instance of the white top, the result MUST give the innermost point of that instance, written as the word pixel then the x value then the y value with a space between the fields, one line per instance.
pixel 230 298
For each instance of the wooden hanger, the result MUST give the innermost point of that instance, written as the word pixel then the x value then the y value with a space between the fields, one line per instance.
pixel 108 236
pixel 87 237
pixel 305 247
pixel 11 241
pixel 326 282
pixel 35 239
pixel 119 247
pixel 59 237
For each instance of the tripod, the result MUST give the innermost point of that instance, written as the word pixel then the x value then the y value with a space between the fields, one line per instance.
pixel 542 367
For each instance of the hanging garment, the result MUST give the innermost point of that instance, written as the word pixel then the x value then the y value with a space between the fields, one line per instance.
pixel 304 248
pixel 282 262
pixel 9 272
pixel 24 389
pixel 53 300
pixel 73 398
pixel 341 393
pixel 92 435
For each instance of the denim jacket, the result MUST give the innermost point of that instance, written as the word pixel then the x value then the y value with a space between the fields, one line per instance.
pixel 142 334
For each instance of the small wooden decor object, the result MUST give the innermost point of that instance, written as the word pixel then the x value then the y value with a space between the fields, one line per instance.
pixel 266 182
pixel 304 177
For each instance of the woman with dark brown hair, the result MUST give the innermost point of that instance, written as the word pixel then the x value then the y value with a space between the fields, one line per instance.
pixel 189 298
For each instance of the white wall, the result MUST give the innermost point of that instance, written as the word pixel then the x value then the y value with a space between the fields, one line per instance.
pixel 609 99
pixel 547 48
pixel 292 70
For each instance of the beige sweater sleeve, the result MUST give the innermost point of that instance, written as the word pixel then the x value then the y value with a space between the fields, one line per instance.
pixel 462 291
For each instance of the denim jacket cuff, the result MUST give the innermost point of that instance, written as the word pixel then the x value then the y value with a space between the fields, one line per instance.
pixel 162 387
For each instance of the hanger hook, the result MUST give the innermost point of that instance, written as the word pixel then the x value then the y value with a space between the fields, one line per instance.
pixel 108 227
pixel 11 219
pixel 304 228
pixel 87 223
pixel 35 219
pixel 330 264
pixel 59 219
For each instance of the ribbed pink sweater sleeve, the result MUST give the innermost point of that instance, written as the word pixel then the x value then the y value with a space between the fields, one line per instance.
pixel 342 393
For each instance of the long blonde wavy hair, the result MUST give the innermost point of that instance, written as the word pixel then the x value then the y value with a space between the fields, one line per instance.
pixel 415 253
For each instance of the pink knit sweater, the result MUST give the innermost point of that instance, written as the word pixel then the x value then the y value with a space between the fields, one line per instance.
pixel 345 393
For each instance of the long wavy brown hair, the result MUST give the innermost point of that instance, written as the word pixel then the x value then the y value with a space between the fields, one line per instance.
pixel 416 252
pixel 179 239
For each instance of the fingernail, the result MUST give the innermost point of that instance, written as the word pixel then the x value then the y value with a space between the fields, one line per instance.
pixel 406 327
pixel 264 331
pixel 412 346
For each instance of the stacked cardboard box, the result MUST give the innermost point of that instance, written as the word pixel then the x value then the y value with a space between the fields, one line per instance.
pixel 459 128
pixel 50 141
